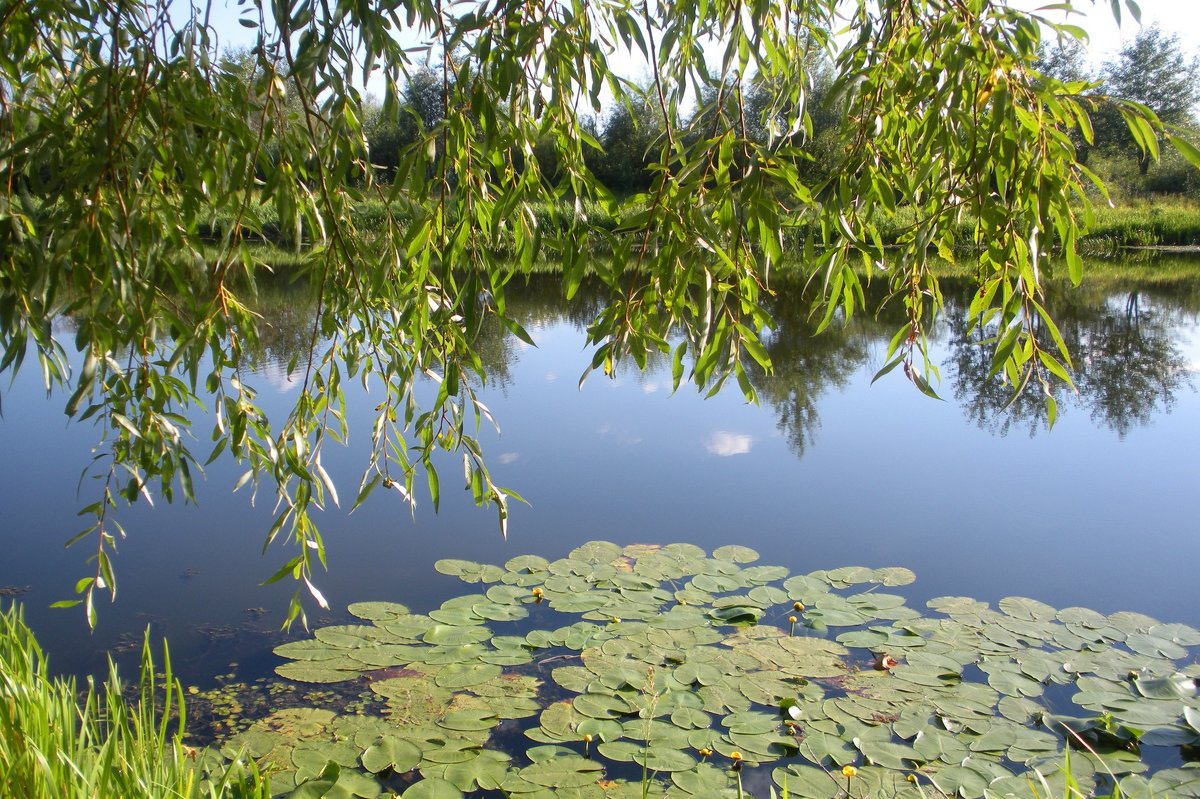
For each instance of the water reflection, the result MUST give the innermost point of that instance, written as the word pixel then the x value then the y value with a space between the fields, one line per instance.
pixel 1129 365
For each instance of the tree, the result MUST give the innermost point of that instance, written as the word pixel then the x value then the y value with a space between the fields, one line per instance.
pixel 1154 71
pixel 122 137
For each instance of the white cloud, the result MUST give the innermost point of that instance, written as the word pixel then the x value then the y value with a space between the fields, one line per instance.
pixel 724 445
pixel 508 457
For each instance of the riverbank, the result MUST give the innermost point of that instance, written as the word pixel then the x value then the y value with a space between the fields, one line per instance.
pixel 1167 223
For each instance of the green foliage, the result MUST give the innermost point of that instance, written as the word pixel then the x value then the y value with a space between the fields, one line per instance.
pixel 53 743
pixel 126 142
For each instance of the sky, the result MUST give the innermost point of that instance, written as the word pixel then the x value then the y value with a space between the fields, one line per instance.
pixel 1180 17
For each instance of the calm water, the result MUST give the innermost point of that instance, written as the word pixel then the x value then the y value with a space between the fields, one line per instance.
pixel 828 471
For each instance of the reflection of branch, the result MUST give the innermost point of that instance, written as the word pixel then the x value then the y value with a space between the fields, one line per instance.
pixel 1128 367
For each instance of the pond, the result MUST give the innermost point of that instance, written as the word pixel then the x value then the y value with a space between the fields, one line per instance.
pixel 971 494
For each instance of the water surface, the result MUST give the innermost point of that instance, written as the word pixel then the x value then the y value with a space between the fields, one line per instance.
pixel 976 497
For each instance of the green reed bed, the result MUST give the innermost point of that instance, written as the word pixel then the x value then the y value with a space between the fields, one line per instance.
pixel 56 741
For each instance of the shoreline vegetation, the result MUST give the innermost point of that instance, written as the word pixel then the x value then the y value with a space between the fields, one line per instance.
pixel 1159 224
pixel 1143 229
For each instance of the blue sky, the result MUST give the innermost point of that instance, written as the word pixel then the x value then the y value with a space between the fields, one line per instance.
pixel 1181 17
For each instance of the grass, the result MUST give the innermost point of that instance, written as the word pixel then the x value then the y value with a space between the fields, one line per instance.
pixel 1165 222
pixel 57 742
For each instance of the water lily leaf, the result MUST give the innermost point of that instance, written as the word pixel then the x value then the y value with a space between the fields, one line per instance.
pixel 689 718
pixel 391 752
pixel 350 636
pixel 762 575
pixel 579 602
pixel 528 564
pixel 706 780
pixel 759 747
pixel 309 649
pixel 1019 709
pixel 1181 634
pixel 701 673
pixel 1192 715
pixel 602 729
pixel 435 657
pixel 715 583
pixel 1146 644
pixel 1130 623
pixel 573 678
pixel 464 675
pixel 751 722
pixel 658 734
pixel 448 750
pixel 957 605
pixel 596 552
pixel 723 698
pixel 887 753
pixel 661 759
pixel 807 782
pixel 849 575
pixel 469 571
pixel 561 721
pixel 1183 782
pixel 767 688
pixel 1011 682
pixel 406 629
pixel 467 720
pixel 1176 686
pixel 1168 736
pixel 1150 713
pixel 432 788
pixel 315 672
pixel 456 616
pixel 310 758
pixel 894 576
pixel 934 744
pixel 735 553
pixel 567 771
pixel 495 611
pixel 453 635
pixel 966 782
pixel 833 617
pixel 1024 608
pixel 685 552
pixel 486 771
pixel 377 611
pixel 599 706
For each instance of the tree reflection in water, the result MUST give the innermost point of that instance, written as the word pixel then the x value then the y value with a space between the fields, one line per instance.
pixel 1128 365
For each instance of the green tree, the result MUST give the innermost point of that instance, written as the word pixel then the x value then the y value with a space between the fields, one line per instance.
pixel 122 137
pixel 1154 71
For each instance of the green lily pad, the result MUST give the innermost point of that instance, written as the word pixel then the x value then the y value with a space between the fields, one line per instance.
pixel 433 788
pixel 453 635
pixel 391 752
pixel 465 675
pixel 567 771
pixel 486 771
pixel 378 611
pixel 735 553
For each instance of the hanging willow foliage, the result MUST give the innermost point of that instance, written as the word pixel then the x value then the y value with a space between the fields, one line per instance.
pixel 135 164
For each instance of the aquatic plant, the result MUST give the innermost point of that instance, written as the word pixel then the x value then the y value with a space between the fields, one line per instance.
pixel 55 744
pixel 685 668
